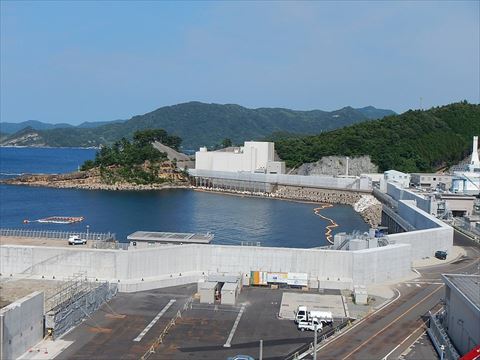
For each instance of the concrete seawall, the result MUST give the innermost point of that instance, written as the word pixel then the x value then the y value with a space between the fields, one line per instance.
pixel 142 269
pixel 186 263
pixel 21 325
pixel 430 234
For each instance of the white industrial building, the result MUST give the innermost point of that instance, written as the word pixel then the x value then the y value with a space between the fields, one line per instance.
pixel 462 310
pixel 468 182
pixel 252 157
pixel 398 177
pixel 431 181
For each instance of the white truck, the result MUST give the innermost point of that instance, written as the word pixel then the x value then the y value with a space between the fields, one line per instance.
pixel 310 325
pixel 305 315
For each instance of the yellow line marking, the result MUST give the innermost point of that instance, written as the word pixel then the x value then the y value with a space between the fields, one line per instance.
pixel 391 323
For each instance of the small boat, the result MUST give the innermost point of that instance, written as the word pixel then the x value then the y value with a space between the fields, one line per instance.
pixel 58 220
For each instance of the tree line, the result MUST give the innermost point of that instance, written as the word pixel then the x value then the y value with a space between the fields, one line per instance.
pixel 136 161
pixel 415 141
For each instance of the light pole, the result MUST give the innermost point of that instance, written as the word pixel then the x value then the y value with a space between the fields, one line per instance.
pixel 315 340
pixel 260 357
pixel 88 227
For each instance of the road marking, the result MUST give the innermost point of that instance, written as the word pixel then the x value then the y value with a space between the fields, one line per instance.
pixel 383 306
pixel 396 347
pixel 234 328
pixel 418 285
pixel 414 341
pixel 155 319
pixel 416 271
pixel 392 322
pixel 408 285
pixel 463 267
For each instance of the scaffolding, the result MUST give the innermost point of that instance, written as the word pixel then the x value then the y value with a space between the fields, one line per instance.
pixel 76 298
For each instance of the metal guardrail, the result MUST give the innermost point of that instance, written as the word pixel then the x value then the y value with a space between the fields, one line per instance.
pixel 467 226
pixel 171 323
pixel 440 339
pixel 54 234
pixel 308 348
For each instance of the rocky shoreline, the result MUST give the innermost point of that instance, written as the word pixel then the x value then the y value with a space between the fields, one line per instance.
pixel 365 204
pixel 369 208
pixel 87 180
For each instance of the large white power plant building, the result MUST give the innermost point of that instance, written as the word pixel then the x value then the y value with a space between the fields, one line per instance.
pixel 252 157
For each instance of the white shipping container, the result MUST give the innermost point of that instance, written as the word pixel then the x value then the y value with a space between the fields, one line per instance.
pixel 297 279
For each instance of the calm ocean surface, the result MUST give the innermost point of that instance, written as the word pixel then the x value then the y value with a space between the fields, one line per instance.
pixel 231 218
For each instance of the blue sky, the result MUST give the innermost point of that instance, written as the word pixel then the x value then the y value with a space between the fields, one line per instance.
pixel 65 61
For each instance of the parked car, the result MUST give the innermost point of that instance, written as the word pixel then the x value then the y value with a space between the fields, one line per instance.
pixel 442 255
pixel 76 240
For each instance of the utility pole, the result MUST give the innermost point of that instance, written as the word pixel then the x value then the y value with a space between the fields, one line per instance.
pixel 315 342
pixel 260 356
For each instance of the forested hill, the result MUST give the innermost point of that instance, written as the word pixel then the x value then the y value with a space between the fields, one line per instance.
pixel 413 141
pixel 201 124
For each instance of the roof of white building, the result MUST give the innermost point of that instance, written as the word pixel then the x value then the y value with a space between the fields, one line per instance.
pixel 395 172
pixel 467 285
pixel 184 238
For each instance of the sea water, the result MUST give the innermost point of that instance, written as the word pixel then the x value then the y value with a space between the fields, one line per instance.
pixel 233 219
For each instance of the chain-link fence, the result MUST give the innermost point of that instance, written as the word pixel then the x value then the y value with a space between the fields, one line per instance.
pixel 53 234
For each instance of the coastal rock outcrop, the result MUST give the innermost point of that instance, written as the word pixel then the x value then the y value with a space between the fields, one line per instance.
pixel 337 165
pixel 88 180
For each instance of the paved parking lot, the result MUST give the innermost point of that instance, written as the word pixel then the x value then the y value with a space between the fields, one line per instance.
pixel 320 302
pixel 128 326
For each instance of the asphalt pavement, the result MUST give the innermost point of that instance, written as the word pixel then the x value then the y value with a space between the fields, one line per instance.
pixel 393 330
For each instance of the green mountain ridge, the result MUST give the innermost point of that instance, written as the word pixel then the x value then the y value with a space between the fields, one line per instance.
pixel 200 124
pixel 11 128
pixel 415 141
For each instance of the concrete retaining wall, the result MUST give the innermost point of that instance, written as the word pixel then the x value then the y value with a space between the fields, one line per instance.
pixel 431 234
pixel 398 193
pixel 382 264
pixel 174 265
pixel 21 325
pixel 317 181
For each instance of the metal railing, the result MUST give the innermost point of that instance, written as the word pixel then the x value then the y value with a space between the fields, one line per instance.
pixel 54 234
pixel 171 323
pixel 308 348
pixel 466 225
pixel 440 338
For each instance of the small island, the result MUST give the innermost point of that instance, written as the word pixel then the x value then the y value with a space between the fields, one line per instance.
pixel 126 165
